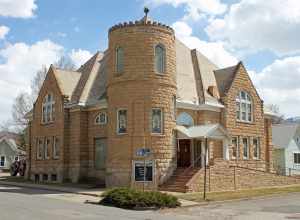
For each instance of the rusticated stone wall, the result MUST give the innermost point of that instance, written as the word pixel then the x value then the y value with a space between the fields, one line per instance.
pixel 139 88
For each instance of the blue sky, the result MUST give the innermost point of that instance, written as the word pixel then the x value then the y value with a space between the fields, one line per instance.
pixel 263 34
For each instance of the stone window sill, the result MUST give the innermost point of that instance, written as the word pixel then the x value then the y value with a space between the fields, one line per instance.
pixel 245 122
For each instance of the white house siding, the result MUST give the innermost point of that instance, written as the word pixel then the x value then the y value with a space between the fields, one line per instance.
pixel 5 150
pixel 291 168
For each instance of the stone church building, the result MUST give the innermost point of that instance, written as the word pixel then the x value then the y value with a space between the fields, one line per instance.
pixel 143 111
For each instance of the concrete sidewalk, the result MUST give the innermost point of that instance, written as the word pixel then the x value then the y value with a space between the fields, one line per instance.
pixel 95 192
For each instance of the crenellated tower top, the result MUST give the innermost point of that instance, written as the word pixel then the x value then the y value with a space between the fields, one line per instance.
pixel 145 21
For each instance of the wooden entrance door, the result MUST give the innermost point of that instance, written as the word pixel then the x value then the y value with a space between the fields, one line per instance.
pixel 184 153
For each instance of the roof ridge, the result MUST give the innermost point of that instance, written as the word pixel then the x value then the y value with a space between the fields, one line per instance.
pixel 92 59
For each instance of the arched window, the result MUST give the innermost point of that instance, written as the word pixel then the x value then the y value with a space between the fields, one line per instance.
pixel 48 109
pixel 244 107
pixel 101 118
pixel 185 119
pixel 119 59
pixel 160 58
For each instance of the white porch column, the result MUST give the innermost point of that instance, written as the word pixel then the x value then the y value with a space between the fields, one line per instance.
pixel 226 149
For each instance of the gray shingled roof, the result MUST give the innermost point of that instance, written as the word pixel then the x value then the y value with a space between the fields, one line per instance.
pixel 282 134
pixel 224 78
pixel 195 73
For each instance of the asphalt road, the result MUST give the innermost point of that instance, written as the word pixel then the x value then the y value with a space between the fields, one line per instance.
pixel 31 204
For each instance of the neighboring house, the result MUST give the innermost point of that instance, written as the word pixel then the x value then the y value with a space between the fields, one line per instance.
pixel 136 113
pixel 286 152
pixel 9 152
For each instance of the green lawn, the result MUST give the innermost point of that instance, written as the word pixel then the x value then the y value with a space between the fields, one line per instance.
pixel 240 194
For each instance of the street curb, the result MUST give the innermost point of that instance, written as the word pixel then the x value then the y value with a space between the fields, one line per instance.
pixel 48 188
pixel 205 203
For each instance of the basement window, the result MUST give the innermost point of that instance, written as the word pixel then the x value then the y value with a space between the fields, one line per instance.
pixel 45 177
pixel 53 177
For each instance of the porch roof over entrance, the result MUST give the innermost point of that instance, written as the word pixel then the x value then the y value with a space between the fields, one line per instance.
pixel 212 131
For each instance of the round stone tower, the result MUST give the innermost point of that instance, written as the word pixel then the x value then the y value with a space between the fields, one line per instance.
pixel 141 89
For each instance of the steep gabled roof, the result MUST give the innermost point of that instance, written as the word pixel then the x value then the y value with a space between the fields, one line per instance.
pixel 282 134
pixel 95 86
pixel 186 82
pixel 66 80
pixel 86 70
pixel 224 78
pixel 194 75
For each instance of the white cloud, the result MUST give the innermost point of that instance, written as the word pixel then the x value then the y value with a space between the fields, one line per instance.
pixel 214 51
pixel 20 63
pixel 278 84
pixel 195 9
pixel 260 25
pixel 3 31
pixel 79 57
pixel 17 8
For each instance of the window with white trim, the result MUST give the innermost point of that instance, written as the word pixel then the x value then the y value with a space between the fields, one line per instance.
pixel 2 161
pixel 48 109
pixel 244 107
pixel 235 147
pixel 119 59
pixel 39 150
pixel 56 148
pixel 245 142
pixel 297 158
pixel 256 148
pixel 160 54
pixel 157 121
pixel 101 118
pixel 47 148
pixel 143 171
pixel 122 121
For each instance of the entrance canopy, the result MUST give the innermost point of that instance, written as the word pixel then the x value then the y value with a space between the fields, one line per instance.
pixel 211 131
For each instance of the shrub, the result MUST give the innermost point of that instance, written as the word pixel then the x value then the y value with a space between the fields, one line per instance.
pixel 132 199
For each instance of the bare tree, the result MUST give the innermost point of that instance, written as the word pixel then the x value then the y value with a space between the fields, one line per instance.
pixel 65 63
pixel 24 101
pixel 275 109
pixel 37 82
pixel 22 105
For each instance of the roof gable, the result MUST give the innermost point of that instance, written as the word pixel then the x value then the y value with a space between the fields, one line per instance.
pixel 11 143
pixel 224 78
pixel 283 134
pixel 49 77
pixel 66 80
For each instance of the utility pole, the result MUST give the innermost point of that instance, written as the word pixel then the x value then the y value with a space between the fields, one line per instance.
pixel 205 173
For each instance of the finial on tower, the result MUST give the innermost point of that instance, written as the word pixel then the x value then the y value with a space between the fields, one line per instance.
pixel 145 19
pixel 146 11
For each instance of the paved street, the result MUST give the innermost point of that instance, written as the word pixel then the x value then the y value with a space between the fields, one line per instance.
pixel 30 204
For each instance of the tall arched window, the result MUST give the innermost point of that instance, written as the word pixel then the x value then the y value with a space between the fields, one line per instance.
pixel 244 107
pixel 185 119
pixel 48 109
pixel 119 59
pixel 160 58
